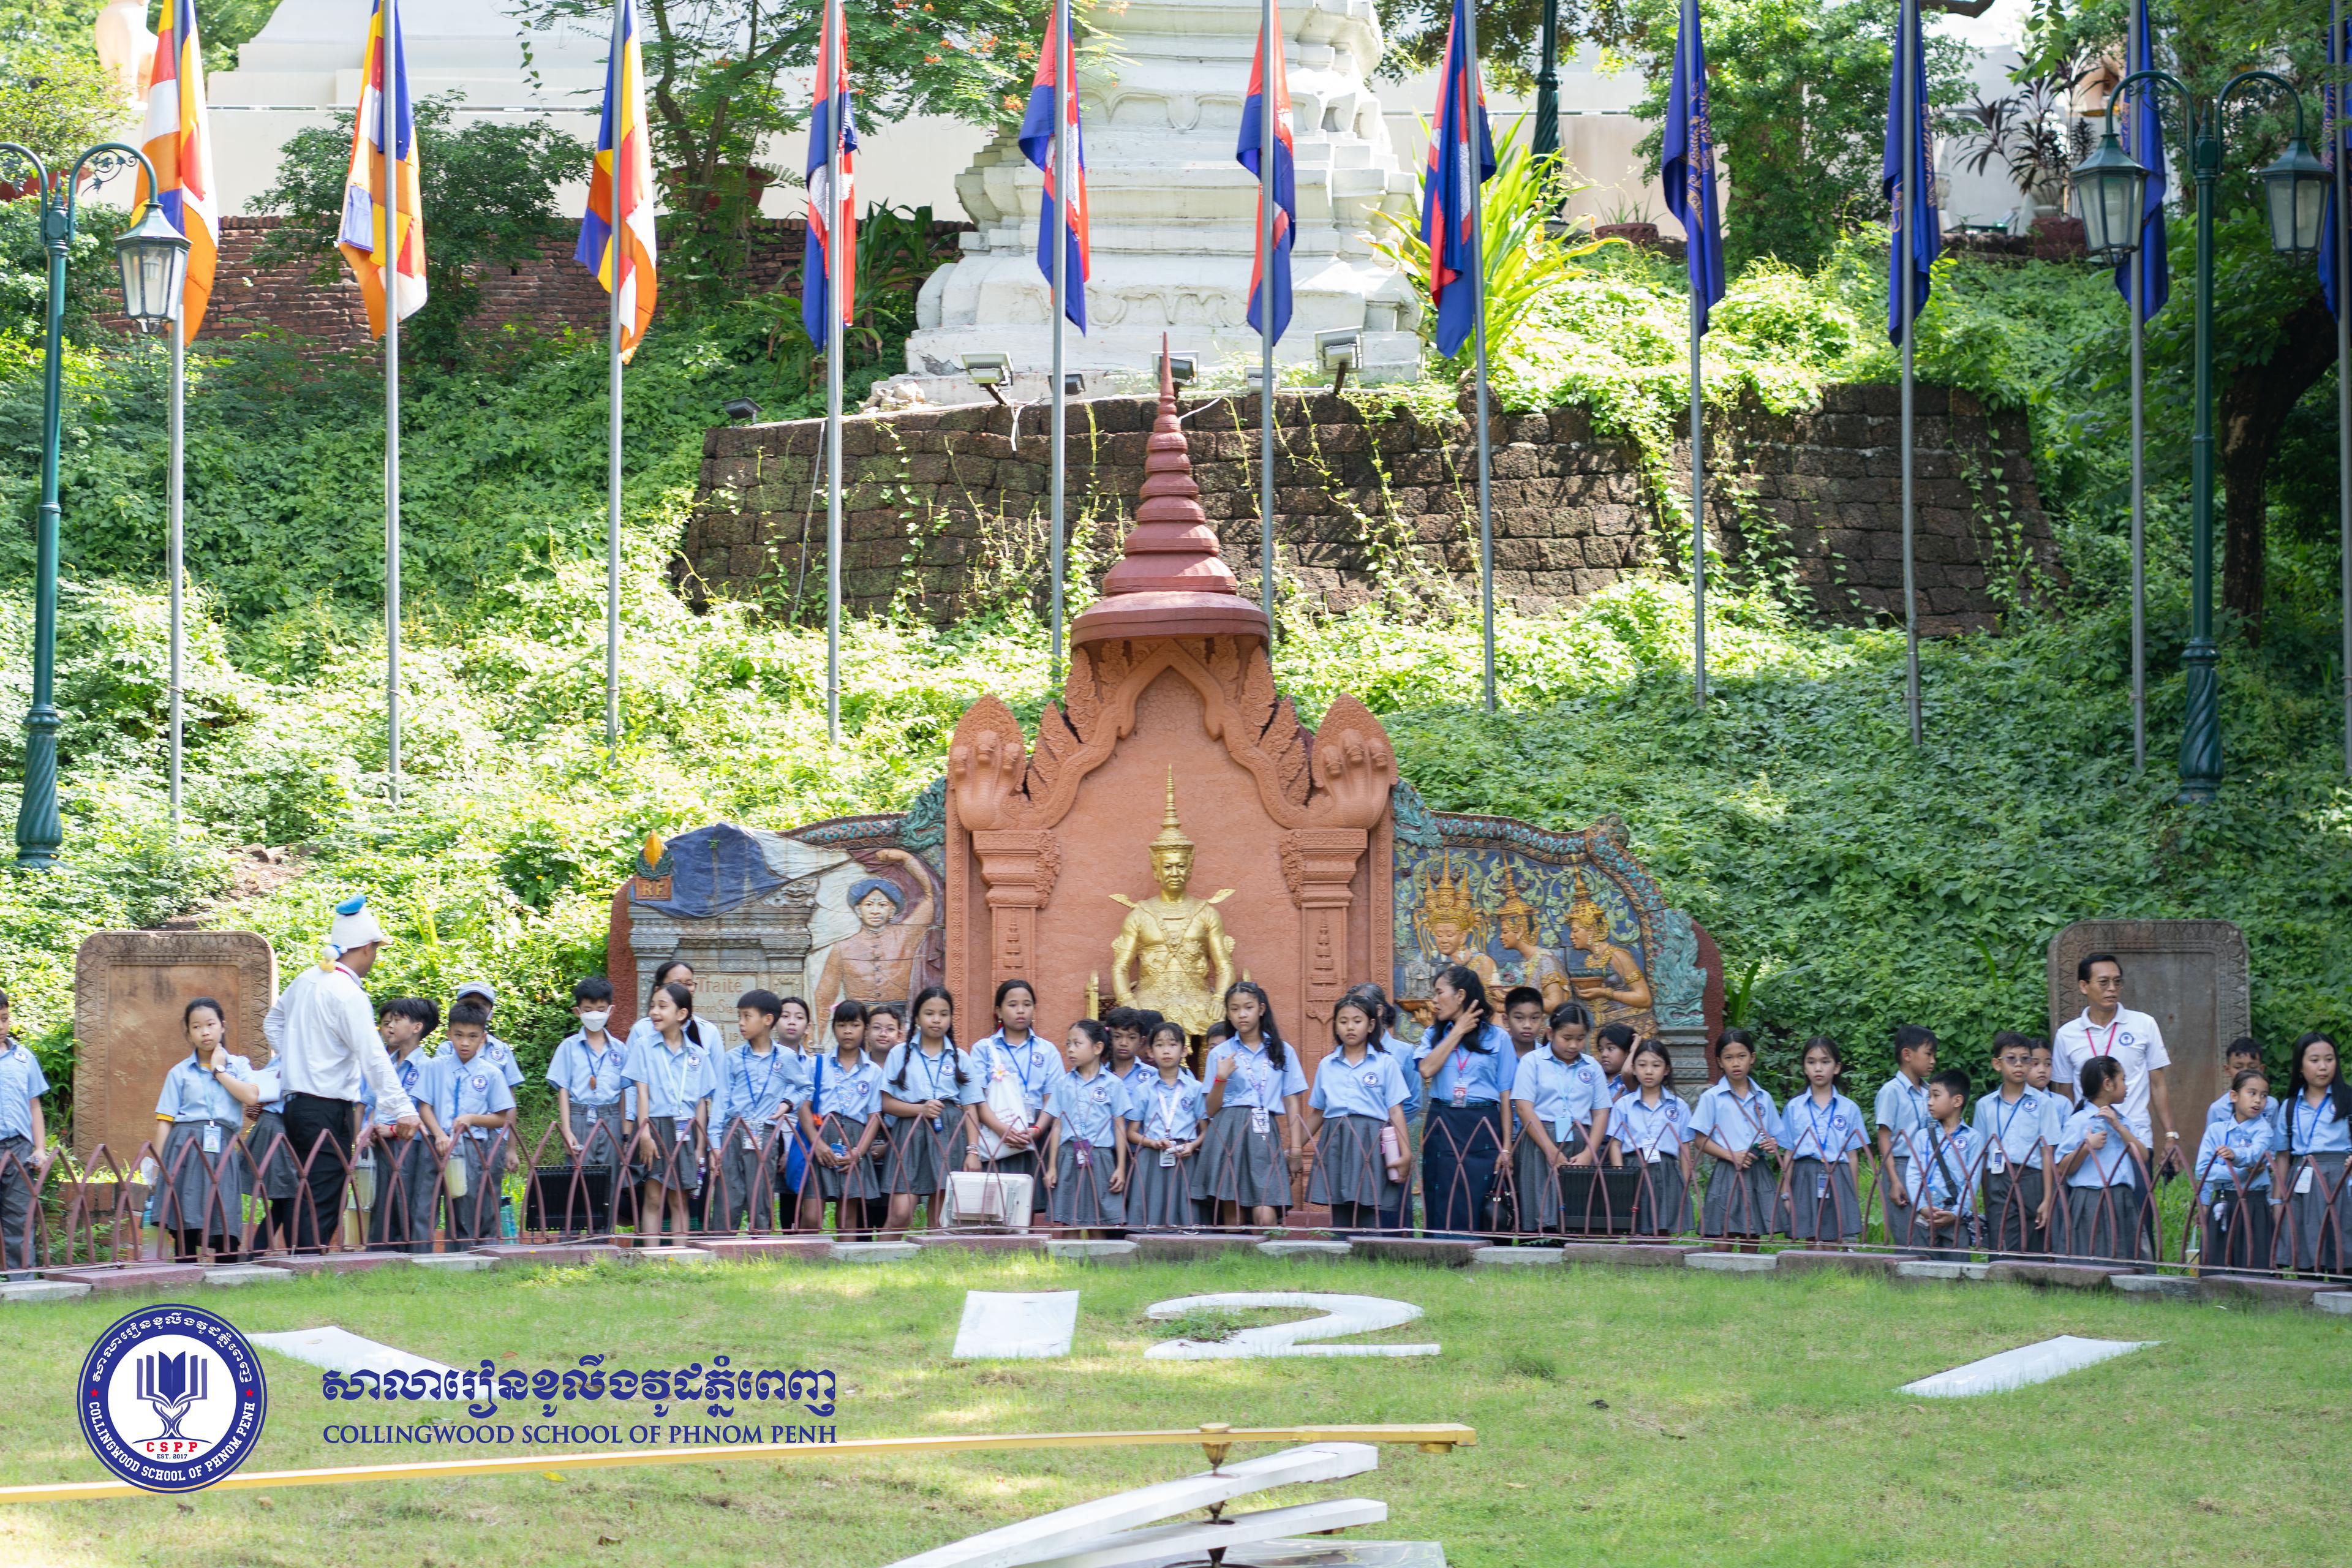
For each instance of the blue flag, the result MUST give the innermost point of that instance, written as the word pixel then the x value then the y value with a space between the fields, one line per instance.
pixel 1445 222
pixel 1918 233
pixel 1270 83
pixel 1689 165
pixel 1039 137
pixel 831 214
pixel 2332 132
pixel 2144 139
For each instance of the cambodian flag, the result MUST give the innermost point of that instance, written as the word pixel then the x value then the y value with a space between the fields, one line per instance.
pixel 830 212
pixel 2144 138
pixel 1446 221
pixel 1058 61
pixel 1689 165
pixel 1270 75
pixel 179 142
pixel 1917 230
pixel 616 233
pixel 364 239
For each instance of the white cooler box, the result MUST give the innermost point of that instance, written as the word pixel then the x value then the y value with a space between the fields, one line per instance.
pixel 983 1197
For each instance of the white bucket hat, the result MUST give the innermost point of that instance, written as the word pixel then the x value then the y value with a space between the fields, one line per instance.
pixel 355 926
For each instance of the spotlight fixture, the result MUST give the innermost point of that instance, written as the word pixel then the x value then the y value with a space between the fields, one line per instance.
pixel 741 410
pixel 989 372
pixel 1338 353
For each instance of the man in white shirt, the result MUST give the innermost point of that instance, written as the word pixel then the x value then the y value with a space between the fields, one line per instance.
pixel 323 1041
pixel 2108 1028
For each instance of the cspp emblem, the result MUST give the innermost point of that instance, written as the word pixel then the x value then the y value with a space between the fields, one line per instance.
pixel 172 1398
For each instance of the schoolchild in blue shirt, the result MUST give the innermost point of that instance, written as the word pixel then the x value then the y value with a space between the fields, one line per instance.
pixel 201 1108
pixel 1613 1048
pixel 1945 1169
pixel 2017 1126
pixel 477 1112
pixel 1257 1092
pixel 2101 1159
pixel 1822 1130
pixel 676 1076
pixel 1561 1105
pixel 595 1110
pixel 407 1169
pixel 928 1089
pixel 2244 1055
pixel 2233 1173
pixel 759 1084
pixel 2315 1125
pixel 1355 1120
pixel 1652 1130
pixel 23 1136
pixel 1736 1126
pixel 1087 1145
pixel 1130 1031
pixel 494 1049
pixel 1017 1072
pixel 1165 1117
pixel 1901 1116
pixel 1465 1062
pixel 840 1120
pixel 1399 1217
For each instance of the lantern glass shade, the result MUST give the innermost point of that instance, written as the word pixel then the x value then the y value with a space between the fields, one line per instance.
pixel 153 257
pixel 2109 186
pixel 2295 193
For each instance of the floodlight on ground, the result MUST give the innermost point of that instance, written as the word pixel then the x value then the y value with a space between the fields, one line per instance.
pixel 989 372
pixel 741 410
pixel 1340 352
pixel 1182 368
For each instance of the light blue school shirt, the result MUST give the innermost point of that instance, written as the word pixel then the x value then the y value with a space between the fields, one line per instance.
pixel 21 1083
pixel 1139 1071
pixel 1036 1065
pixel 1173 1111
pixel 1402 1050
pixel 933 1077
pixel 1638 1127
pixel 2020 1126
pixel 420 1080
pixel 576 1063
pixel 499 1051
pixel 475 1088
pixel 190 1093
pixel 855 1095
pixel 1901 1108
pixel 1824 1132
pixel 672 1081
pixel 1089 1108
pixel 2110 1164
pixel 1479 1072
pixel 1736 1122
pixel 2222 1111
pixel 2251 1142
pixel 1256 1083
pixel 752 1087
pixel 1373 1086
pixel 1931 1183
pixel 2313 1128
pixel 1561 1094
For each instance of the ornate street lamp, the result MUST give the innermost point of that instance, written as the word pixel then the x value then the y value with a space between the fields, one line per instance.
pixel 2107 187
pixel 154 257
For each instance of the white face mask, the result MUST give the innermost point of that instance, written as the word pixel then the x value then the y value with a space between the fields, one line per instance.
pixel 595 1022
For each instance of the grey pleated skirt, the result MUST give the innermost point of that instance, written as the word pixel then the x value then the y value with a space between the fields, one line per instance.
pixel 1538 1184
pixel 2314 1228
pixel 597 1148
pixel 672 1164
pixel 407 1180
pixel 1742 1203
pixel 267 1149
pixel 1823 1204
pixel 2104 1222
pixel 1082 1195
pixel 855 1181
pixel 202 1192
pixel 1239 1165
pixel 1347 1165
pixel 1159 1197
pixel 921 1155
pixel 1662 1205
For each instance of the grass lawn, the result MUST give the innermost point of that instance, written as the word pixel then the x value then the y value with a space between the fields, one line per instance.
pixel 1631 1417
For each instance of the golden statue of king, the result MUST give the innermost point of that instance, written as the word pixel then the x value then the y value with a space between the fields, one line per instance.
pixel 1177 943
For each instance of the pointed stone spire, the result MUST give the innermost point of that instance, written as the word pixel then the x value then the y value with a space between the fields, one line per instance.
pixel 1171 580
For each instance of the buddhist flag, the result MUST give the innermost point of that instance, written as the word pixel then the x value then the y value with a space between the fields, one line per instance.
pixel 1462 143
pixel 1270 80
pixel 363 240
pixel 1918 236
pixel 830 212
pixel 616 233
pixel 179 142
pixel 1689 165
pixel 1058 61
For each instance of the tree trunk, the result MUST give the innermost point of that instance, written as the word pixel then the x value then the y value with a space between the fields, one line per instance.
pixel 2254 403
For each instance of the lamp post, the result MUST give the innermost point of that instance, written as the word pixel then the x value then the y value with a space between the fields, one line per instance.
pixel 2108 186
pixel 153 259
pixel 1546 143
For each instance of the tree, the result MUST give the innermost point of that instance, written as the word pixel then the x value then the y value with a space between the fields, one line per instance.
pixel 55 98
pixel 489 193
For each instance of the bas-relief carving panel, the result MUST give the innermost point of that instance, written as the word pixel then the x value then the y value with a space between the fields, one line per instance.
pixel 2190 976
pixel 131 988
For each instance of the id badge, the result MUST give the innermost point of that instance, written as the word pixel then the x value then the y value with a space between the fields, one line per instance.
pixel 1820 1187
pixel 1259 1120
pixel 1997 1160
pixel 2303 1181
pixel 1461 1095
pixel 1086 1156
pixel 1167 1159
pixel 1650 1155
pixel 750 1144
pixel 212 1141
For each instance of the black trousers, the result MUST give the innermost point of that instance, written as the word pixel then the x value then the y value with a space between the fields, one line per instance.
pixel 311 1118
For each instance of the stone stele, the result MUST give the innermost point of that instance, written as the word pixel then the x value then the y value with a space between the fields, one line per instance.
pixel 2190 976
pixel 130 989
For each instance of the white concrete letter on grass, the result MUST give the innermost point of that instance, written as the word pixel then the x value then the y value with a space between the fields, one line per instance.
pixel 1342 1315
pixel 2026 1365
pixel 1013 1326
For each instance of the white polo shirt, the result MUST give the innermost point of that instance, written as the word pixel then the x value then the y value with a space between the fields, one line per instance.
pixel 2132 1038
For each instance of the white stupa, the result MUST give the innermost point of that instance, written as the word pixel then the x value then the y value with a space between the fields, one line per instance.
pixel 1174 215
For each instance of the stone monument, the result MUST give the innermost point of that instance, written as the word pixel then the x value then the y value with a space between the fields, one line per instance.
pixel 130 989
pixel 2190 976
pixel 1174 215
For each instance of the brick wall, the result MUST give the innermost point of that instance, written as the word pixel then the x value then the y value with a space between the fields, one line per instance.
pixel 944 510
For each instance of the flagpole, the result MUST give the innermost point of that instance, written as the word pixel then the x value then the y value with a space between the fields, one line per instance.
pixel 1267 45
pixel 176 549
pixel 1699 517
pixel 2336 152
pixel 1906 46
pixel 389 156
pixel 1475 155
pixel 836 30
pixel 612 481
pixel 2135 290
pixel 1065 62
